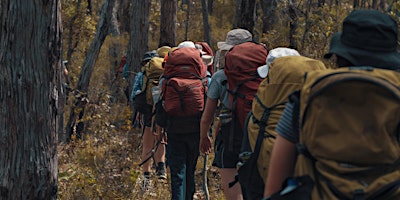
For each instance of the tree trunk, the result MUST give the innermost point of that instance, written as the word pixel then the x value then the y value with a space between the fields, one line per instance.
pixel 292 25
pixel 78 109
pixel 269 17
pixel 355 4
pixel 169 9
pixel 206 24
pixel 138 42
pixel 307 23
pixel 30 96
pixel 71 33
pixel 237 13
pixel 123 16
pixel 189 6
pixel 246 15
pixel 210 6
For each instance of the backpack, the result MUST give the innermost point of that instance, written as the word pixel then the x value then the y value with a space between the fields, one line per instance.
pixel 208 51
pixel 241 63
pixel 151 77
pixel 121 64
pixel 185 84
pixel 284 77
pixel 351 147
pixel 219 61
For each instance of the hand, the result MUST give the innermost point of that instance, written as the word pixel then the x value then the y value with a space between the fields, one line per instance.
pixel 157 133
pixel 205 145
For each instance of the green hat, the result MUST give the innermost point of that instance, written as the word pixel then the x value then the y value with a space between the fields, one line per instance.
pixel 368 38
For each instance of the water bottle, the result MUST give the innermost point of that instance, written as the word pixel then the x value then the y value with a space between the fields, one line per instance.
pixel 155 92
pixel 291 185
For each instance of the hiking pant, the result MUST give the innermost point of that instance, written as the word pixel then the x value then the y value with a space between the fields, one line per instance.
pixel 182 155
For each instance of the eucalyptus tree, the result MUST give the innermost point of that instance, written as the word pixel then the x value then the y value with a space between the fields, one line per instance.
pixel 31 96
pixel 75 124
pixel 168 18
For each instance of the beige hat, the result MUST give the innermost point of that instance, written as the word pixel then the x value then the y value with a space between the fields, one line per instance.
pixel 234 37
pixel 162 51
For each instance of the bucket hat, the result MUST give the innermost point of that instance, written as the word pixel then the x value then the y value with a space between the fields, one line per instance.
pixel 162 51
pixel 368 38
pixel 275 53
pixel 148 55
pixel 234 37
pixel 189 44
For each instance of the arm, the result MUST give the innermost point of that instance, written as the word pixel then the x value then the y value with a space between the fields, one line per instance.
pixel 283 160
pixel 206 119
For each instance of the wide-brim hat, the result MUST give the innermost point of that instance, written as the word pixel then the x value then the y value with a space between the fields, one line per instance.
pixel 234 37
pixel 148 55
pixel 189 44
pixel 368 38
pixel 162 51
pixel 272 55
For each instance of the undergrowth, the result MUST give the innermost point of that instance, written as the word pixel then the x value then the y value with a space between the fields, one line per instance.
pixel 104 165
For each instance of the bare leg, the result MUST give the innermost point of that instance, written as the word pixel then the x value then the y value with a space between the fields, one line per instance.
pixel 148 143
pixel 227 176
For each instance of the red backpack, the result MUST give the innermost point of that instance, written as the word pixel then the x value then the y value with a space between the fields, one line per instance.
pixel 185 83
pixel 241 63
pixel 208 51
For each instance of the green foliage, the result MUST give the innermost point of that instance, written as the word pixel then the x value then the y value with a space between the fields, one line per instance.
pixel 313 32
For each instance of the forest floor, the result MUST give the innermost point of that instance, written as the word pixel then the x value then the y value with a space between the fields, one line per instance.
pixel 105 165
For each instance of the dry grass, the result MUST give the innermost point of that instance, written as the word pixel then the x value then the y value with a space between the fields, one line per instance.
pixel 105 166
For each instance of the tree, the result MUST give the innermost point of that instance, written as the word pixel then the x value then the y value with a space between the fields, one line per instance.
pixel 187 21
pixel 169 9
pixel 123 15
pixel 30 96
pixel 245 14
pixel 293 24
pixel 139 37
pixel 269 18
pixel 206 24
pixel 78 109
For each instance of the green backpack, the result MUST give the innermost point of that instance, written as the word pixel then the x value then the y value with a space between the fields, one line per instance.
pixel 350 133
pixel 151 77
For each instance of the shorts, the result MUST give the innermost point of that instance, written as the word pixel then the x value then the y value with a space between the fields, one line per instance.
pixel 147 112
pixel 223 157
pixel 141 106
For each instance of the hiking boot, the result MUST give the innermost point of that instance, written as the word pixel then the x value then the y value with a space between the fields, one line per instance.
pixel 146 182
pixel 161 174
pixel 160 171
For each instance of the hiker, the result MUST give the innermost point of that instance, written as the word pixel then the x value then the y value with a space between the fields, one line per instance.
pixel 184 86
pixel 207 55
pixel 283 74
pixel 121 66
pixel 66 80
pixel 218 99
pixel 140 94
pixel 365 48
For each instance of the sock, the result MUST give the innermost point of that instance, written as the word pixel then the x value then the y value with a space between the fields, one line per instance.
pixel 147 174
pixel 161 165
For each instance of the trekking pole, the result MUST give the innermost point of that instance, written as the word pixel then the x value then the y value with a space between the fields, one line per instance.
pixel 205 186
pixel 153 150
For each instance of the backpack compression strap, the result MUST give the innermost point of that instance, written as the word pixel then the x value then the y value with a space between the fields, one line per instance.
pixel 235 95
